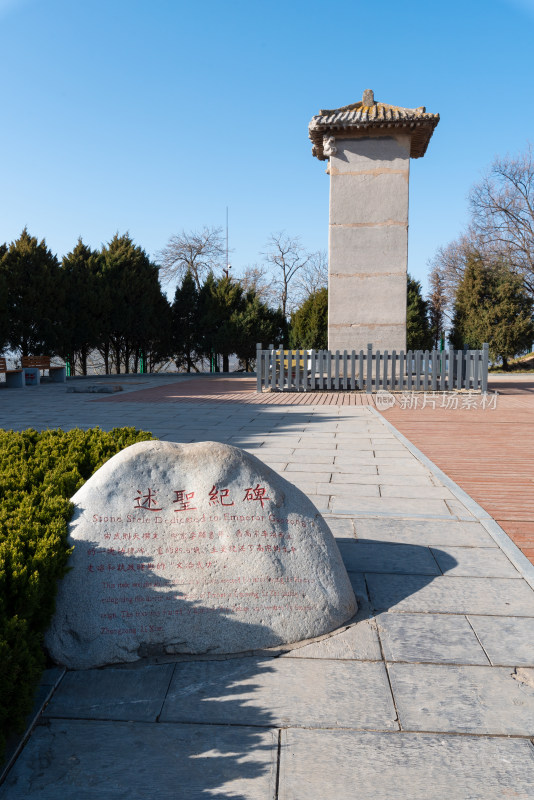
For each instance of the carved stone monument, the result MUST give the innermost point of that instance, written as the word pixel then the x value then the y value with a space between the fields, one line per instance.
pixel 197 548
pixel 369 146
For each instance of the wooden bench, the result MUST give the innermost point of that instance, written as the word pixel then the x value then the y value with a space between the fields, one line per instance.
pixel 14 377
pixel 57 374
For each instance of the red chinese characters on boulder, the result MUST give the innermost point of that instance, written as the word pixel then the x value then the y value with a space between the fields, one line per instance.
pixel 219 496
pixel 257 493
pixel 147 501
pixel 184 500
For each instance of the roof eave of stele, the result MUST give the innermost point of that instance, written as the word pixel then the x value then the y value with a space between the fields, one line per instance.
pixel 355 119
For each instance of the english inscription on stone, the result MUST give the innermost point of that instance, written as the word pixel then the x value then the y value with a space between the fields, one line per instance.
pixel 197 548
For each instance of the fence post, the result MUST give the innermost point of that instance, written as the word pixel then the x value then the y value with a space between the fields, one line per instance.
pixel 259 367
pixel 485 360
pixel 409 370
pixel 467 377
pixel 369 386
pixel 434 370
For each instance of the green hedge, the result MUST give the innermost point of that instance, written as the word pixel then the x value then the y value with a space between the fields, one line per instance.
pixel 39 473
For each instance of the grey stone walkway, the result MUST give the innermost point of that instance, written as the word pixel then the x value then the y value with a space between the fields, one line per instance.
pixel 427 693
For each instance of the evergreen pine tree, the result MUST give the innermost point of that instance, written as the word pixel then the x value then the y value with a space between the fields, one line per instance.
pixel 4 318
pixel 418 334
pixel 492 306
pixel 254 323
pixel 220 302
pixel 131 294
pixel 81 314
pixel 34 296
pixel 309 323
pixel 186 334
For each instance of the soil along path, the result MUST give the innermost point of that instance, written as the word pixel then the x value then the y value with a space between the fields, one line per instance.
pixel 488 452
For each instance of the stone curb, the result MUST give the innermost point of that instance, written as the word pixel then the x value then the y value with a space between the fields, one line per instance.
pixel 511 550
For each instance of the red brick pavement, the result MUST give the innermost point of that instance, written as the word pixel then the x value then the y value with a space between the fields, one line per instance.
pixel 233 390
pixel 490 454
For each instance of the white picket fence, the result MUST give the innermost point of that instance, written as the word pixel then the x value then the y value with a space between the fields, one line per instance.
pixel 367 371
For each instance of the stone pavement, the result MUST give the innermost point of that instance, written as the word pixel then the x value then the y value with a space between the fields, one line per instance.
pixel 427 693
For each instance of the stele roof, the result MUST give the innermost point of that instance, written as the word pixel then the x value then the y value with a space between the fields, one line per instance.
pixel 357 119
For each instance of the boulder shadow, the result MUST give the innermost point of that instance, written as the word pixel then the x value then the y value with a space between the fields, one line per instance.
pixel 170 724
pixel 384 574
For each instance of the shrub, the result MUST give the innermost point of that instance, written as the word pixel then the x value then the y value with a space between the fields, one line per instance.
pixel 40 472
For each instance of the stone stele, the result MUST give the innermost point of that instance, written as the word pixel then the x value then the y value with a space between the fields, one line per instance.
pixel 193 548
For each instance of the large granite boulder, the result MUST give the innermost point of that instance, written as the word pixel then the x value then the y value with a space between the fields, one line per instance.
pixel 197 548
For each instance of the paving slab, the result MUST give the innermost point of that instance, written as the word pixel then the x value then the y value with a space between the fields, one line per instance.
pixel 363 556
pixel 304 475
pixel 415 491
pixel 359 642
pixel 463 699
pixel 476 561
pixel 495 596
pixel 348 490
pixel 458 509
pixel 429 638
pixel 341 528
pixel 506 640
pixel 390 506
pixel 346 765
pixel 401 467
pixel 306 457
pixel 293 691
pixel 432 532
pixel 88 760
pixel 329 469
pixel 121 694
pixel 382 480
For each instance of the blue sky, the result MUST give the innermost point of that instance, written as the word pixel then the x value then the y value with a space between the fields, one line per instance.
pixel 154 116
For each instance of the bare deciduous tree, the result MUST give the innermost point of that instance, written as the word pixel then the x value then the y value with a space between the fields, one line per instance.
pixel 437 306
pixel 285 255
pixel 503 213
pixel 313 276
pixel 257 279
pixel 197 251
pixel 448 266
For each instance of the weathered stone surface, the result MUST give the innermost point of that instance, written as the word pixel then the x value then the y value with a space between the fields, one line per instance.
pixel 371 154
pixel 506 640
pixel 193 549
pixel 462 699
pixel 444 595
pixel 88 760
pixel 369 199
pixel 479 562
pixel 429 637
pixel 410 559
pixel 276 692
pixel 117 693
pixel 435 532
pixel 373 766
pixel 359 642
